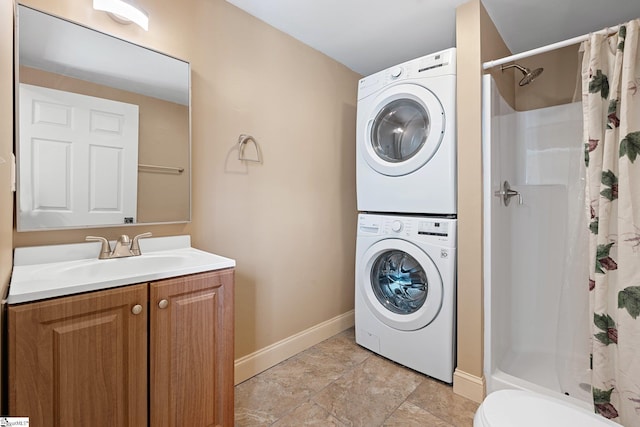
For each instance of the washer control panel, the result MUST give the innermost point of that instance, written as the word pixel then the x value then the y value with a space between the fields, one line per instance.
pixel 416 228
pixel 433 228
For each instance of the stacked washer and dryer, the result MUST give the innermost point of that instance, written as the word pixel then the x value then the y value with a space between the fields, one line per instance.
pixel 406 188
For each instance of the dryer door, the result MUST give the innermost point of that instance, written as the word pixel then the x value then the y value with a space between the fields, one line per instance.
pixel 404 130
pixel 400 284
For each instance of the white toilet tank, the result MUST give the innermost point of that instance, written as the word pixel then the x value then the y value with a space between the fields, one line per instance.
pixel 509 408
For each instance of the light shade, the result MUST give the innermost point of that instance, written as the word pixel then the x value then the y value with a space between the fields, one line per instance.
pixel 125 10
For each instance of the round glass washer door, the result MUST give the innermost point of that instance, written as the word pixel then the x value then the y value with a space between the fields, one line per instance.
pixel 404 131
pixel 401 284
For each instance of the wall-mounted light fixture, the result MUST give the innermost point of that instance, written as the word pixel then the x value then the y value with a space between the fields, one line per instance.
pixel 123 11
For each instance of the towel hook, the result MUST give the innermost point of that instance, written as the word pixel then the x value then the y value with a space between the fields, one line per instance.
pixel 243 140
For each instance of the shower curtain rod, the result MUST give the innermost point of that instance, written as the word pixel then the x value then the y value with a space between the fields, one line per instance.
pixel 543 49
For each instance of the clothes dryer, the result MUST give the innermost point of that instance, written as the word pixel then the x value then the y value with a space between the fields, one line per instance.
pixel 406 137
pixel 405 291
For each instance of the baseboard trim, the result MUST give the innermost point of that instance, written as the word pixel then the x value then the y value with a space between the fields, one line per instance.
pixel 468 385
pixel 263 359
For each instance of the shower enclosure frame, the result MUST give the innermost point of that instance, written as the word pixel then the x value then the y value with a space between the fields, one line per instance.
pixel 496 378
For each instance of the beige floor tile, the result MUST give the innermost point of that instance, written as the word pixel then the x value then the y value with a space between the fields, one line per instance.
pixel 343 348
pixel 260 402
pixel 308 370
pixel 439 399
pixel 245 418
pixel 408 415
pixel 308 414
pixel 338 383
pixel 369 393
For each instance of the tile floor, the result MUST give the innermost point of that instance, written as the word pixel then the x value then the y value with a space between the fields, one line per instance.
pixel 338 383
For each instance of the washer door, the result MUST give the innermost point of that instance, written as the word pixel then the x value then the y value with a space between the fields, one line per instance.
pixel 404 130
pixel 400 284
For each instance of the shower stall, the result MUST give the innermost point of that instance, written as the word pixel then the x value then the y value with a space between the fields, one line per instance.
pixel 535 240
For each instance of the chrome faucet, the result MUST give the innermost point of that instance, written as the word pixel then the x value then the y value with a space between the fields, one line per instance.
pixel 124 246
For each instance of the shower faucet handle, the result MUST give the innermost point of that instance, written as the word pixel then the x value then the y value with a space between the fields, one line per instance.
pixel 512 193
pixel 506 193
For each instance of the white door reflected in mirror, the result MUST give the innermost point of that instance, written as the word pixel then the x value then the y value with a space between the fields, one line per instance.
pixel 78 160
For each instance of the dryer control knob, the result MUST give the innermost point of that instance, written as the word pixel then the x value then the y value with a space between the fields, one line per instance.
pixel 396 72
pixel 396 226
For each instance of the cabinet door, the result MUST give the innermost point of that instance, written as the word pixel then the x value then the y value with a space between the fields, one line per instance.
pixel 80 360
pixel 191 351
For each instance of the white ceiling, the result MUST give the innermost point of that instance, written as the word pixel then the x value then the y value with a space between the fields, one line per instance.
pixel 370 35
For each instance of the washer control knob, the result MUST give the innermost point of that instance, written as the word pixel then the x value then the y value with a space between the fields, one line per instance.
pixel 396 226
pixel 396 72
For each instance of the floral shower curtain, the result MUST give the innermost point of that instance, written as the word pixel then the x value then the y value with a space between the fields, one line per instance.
pixel 611 109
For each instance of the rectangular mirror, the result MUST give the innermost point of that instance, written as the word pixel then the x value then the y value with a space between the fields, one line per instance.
pixel 103 129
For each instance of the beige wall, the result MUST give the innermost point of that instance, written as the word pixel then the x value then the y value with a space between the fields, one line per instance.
pixel 555 86
pixel 469 324
pixel 6 142
pixel 289 222
pixel 477 41
pixel 163 140
pixel 493 47
pixel 6 148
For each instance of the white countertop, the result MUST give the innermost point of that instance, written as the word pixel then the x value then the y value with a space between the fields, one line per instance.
pixel 41 272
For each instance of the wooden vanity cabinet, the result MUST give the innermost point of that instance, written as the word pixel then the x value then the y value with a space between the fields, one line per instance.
pixel 80 360
pixel 157 354
pixel 191 375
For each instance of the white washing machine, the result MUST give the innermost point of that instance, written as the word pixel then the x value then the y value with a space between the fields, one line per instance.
pixel 405 291
pixel 406 137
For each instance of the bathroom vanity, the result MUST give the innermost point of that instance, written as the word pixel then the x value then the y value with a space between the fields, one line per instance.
pixel 142 341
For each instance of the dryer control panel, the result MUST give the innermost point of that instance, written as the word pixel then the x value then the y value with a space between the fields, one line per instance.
pixel 434 65
pixel 435 230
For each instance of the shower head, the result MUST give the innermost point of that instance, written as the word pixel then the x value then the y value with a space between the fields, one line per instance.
pixel 529 75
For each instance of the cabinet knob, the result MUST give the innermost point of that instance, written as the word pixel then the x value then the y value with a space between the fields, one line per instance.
pixel 163 303
pixel 136 309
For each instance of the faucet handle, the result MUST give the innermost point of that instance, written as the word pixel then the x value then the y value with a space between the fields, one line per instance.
pixel 105 250
pixel 135 246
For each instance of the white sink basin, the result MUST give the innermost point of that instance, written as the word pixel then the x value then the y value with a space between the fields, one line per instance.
pixel 34 278
pixel 86 270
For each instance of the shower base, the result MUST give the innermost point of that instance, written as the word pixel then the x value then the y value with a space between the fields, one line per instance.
pixel 536 371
